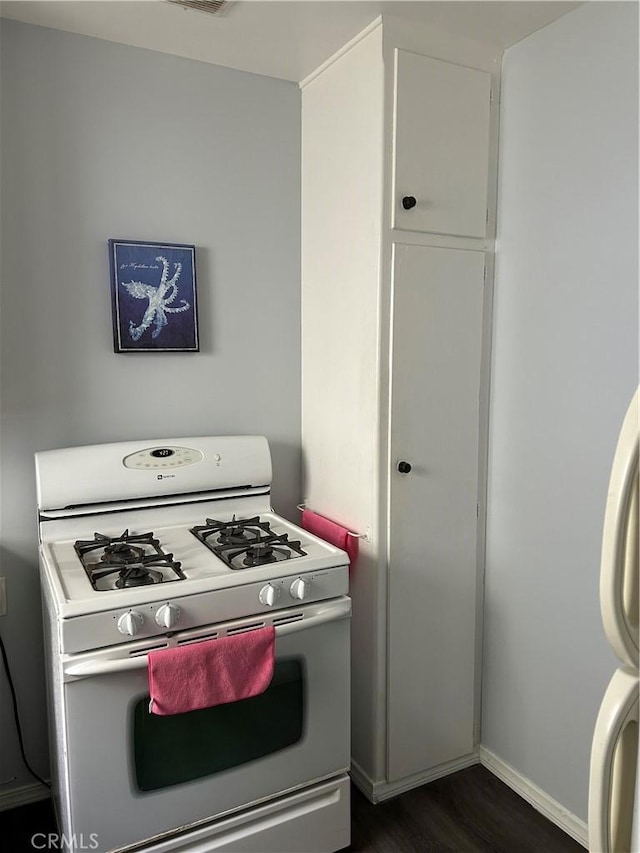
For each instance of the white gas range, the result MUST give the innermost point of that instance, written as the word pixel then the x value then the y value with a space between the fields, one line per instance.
pixel 159 544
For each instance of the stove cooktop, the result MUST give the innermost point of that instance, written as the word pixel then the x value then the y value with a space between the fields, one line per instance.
pixel 106 566
pixel 132 560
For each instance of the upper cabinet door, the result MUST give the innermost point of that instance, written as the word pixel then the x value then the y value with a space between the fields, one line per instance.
pixel 441 146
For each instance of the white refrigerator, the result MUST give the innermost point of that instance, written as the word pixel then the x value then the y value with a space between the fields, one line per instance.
pixel 614 789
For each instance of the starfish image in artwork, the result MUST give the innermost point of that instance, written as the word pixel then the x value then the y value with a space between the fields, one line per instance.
pixel 160 299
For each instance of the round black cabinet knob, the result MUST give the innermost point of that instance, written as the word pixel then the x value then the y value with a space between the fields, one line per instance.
pixel 404 467
pixel 408 202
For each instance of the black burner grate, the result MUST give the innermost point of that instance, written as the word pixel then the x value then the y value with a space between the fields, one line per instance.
pixel 246 542
pixel 136 558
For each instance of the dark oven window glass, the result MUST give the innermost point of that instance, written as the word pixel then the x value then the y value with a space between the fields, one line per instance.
pixel 183 747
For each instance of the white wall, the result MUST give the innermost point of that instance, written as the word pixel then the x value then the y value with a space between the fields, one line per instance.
pixel 565 363
pixel 101 140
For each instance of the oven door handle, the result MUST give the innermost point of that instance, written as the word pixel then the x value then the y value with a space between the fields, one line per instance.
pixel 96 666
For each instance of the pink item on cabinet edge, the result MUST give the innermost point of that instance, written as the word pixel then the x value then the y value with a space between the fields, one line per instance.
pixel 331 532
pixel 212 672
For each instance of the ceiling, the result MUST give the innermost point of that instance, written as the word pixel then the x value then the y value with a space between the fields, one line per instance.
pixel 279 38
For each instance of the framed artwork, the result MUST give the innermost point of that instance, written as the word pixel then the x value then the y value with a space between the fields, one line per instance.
pixel 153 296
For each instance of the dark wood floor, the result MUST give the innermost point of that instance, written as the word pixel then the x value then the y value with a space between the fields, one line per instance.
pixel 467 812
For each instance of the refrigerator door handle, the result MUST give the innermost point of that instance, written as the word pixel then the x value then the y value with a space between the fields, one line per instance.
pixel 614 757
pixel 619 566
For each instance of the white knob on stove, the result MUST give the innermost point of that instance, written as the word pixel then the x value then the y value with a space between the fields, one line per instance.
pixel 168 615
pixel 130 622
pixel 299 589
pixel 269 594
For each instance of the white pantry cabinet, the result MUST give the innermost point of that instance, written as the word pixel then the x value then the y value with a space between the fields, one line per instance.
pixel 394 355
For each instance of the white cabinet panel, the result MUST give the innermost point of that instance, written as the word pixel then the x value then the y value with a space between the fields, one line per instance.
pixel 441 146
pixel 435 392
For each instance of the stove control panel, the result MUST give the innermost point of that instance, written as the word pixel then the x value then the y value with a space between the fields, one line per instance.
pixel 162 457
pixel 147 620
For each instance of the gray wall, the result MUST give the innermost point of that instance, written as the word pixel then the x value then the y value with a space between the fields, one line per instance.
pixel 101 140
pixel 565 364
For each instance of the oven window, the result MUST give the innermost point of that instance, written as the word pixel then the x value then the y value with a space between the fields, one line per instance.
pixel 183 747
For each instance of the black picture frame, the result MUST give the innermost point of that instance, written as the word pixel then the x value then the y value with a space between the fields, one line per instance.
pixel 153 296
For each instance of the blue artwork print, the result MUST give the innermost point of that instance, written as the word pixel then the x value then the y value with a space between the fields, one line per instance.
pixel 154 297
pixel 159 299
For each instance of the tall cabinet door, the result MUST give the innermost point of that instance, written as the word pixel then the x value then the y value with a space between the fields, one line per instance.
pixel 435 390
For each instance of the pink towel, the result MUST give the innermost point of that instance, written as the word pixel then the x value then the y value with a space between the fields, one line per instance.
pixel 213 672
pixel 330 532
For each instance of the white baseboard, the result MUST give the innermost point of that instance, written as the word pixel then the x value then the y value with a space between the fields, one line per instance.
pixel 391 789
pixel 22 795
pixel 536 797
pixel 363 782
pixel 376 792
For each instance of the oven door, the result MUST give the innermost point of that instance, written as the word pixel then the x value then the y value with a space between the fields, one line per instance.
pixel 134 776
